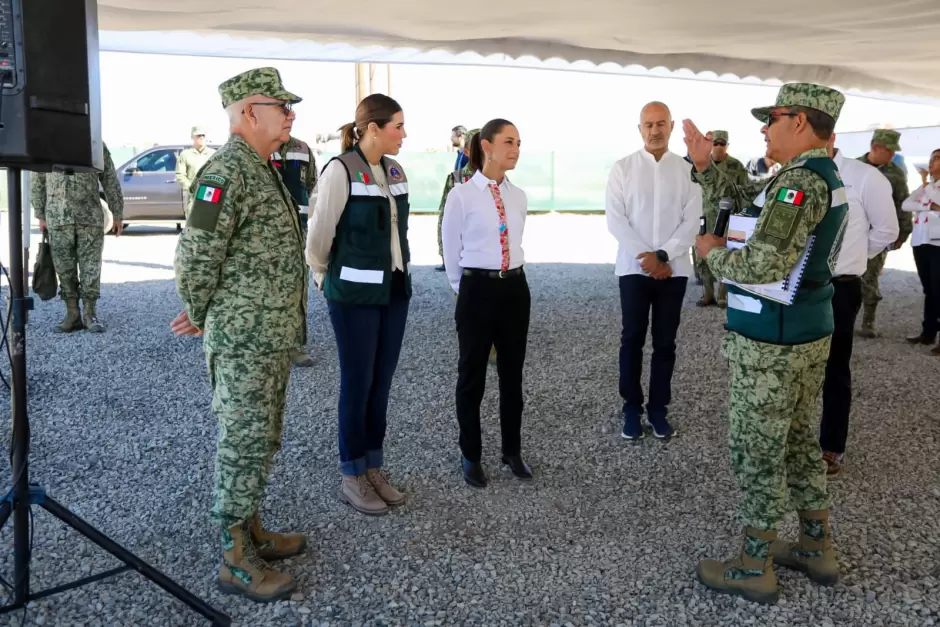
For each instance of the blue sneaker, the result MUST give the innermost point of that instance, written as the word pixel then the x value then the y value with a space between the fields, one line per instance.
pixel 631 426
pixel 661 427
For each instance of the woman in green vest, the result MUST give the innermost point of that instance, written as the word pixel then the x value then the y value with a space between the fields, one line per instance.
pixel 357 247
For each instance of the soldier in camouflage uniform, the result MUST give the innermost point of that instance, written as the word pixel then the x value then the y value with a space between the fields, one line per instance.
pixel 735 174
pixel 241 275
pixel 884 144
pixel 777 353
pixel 70 206
pixel 189 162
pixel 298 169
pixel 457 176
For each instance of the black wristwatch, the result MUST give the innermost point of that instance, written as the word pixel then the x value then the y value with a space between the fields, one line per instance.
pixel 662 256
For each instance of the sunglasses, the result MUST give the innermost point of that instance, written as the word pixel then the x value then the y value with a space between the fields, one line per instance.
pixel 772 117
pixel 286 107
pixel 719 143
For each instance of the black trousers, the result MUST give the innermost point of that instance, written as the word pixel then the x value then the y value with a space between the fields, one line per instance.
pixel 927 260
pixel 641 296
pixel 491 311
pixel 837 386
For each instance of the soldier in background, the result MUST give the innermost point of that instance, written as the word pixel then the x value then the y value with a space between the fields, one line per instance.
pixel 295 162
pixel 241 275
pixel 734 174
pixel 189 162
pixel 69 205
pixel 884 145
pixel 456 177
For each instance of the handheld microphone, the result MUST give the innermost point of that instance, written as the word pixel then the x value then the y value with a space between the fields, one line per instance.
pixel 725 206
pixel 701 225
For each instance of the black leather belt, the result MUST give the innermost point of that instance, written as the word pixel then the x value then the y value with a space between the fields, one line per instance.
pixel 845 277
pixel 493 274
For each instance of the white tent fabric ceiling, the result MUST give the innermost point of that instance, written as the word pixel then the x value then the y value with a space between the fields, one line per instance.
pixel 869 45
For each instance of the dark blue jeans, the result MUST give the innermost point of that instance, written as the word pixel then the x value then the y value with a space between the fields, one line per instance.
pixel 640 295
pixel 368 339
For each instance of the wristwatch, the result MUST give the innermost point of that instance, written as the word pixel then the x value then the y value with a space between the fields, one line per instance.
pixel 662 256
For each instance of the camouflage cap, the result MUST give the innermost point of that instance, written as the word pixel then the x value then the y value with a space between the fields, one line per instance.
pixel 197 130
pixel 887 138
pixel 470 135
pixel 807 95
pixel 720 136
pixel 262 81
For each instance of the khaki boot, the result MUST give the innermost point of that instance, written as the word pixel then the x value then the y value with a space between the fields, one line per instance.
pixel 275 546
pixel 750 574
pixel 868 323
pixel 73 317
pixel 383 488
pixel 243 572
pixel 709 297
pixel 91 317
pixel 359 493
pixel 299 358
pixel 814 553
pixel 722 295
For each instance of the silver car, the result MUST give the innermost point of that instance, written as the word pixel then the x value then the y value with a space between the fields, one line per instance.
pixel 148 182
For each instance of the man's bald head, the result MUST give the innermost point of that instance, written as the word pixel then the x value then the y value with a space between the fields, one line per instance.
pixel 655 127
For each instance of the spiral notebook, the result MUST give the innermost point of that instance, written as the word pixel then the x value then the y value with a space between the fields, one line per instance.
pixel 740 229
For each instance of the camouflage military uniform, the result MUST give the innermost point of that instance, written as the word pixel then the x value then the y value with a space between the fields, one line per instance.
pixel 188 164
pixel 241 275
pixel 734 174
pixel 459 176
pixel 871 291
pixel 71 206
pixel 774 387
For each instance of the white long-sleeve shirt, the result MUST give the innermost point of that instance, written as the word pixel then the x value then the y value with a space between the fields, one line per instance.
pixel 926 222
pixel 653 205
pixel 470 229
pixel 873 221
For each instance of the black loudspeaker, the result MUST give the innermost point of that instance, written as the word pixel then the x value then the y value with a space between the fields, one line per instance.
pixel 50 103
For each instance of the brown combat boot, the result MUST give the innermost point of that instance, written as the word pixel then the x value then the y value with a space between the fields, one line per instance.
pixel 275 546
pixel 722 295
pixel 750 574
pixel 243 572
pixel 359 493
pixel 383 488
pixel 91 317
pixel 709 298
pixel 73 317
pixel 814 553
pixel 868 322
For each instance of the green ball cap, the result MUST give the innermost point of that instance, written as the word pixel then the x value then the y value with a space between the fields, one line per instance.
pixel 262 81
pixel 720 136
pixel 808 95
pixel 887 138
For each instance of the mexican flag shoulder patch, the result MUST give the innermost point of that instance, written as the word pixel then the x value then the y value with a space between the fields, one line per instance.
pixel 209 193
pixel 790 196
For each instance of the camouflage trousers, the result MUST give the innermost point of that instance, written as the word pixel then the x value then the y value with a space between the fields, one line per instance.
pixel 248 396
pixel 871 292
pixel 77 247
pixel 772 416
pixel 440 235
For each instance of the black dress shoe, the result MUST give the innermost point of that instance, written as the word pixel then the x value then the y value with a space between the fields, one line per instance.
pixel 922 338
pixel 473 474
pixel 518 467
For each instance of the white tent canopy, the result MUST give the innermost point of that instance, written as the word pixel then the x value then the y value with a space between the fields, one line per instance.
pixel 868 45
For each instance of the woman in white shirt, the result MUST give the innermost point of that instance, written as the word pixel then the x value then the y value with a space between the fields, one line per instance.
pixel 484 220
pixel 357 247
pixel 925 239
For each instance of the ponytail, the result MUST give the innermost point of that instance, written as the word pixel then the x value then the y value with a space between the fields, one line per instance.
pixel 476 153
pixel 348 136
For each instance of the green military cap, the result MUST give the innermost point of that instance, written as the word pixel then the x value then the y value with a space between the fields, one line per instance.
pixel 807 95
pixel 262 81
pixel 470 134
pixel 197 130
pixel 720 136
pixel 887 138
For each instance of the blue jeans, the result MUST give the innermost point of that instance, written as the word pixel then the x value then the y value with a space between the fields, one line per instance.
pixel 368 339
pixel 639 296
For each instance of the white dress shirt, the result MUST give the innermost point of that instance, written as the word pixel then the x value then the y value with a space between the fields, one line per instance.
pixel 470 231
pixel 653 205
pixel 873 219
pixel 331 197
pixel 926 222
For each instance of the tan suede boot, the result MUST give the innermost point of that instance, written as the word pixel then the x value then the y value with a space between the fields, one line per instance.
pixel 91 317
pixel 814 554
pixel 73 317
pixel 750 574
pixel 359 493
pixel 275 546
pixel 709 298
pixel 243 572
pixel 383 488
pixel 722 299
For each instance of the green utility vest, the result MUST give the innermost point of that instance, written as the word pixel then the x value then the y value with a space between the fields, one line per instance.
pixel 809 317
pixel 360 261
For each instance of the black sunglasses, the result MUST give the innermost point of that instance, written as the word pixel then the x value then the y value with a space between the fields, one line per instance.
pixel 285 106
pixel 771 117
pixel 719 143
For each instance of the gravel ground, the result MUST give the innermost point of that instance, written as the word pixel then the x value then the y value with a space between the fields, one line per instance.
pixel 609 532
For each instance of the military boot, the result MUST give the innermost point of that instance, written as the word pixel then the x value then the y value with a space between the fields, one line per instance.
pixel 814 553
pixel 722 295
pixel 91 317
pixel 750 574
pixel 275 546
pixel 244 572
pixel 299 358
pixel 868 322
pixel 73 317
pixel 709 298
